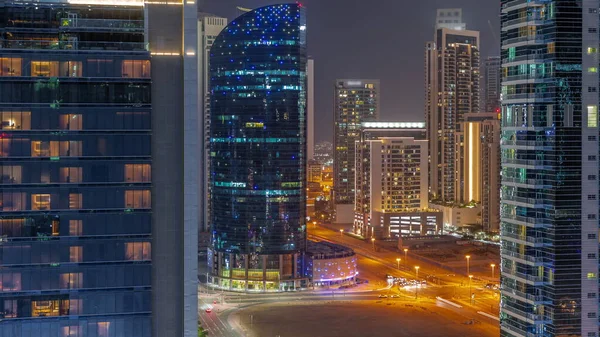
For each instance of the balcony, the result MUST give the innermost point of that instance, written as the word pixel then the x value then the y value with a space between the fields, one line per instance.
pixel 531 58
pixel 526 162
pixel 97 24
pixel 535 183
pixel 530 298
pixel 73 45
pixel 524 40
pixel 516 4
pixel 527 78
pixel 529 202
pixel 535 260
pixel 524 21
pixel 525 221
pixel 528 143
pixel 529 240
pixel 526 316
pixel 538 97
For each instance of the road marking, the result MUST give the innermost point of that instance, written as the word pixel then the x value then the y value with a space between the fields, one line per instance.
pixel 488 315
pixel 449 302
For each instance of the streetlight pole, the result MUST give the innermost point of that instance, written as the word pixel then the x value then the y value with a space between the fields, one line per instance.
pixel 314 224
pixel 405 257
pixel 373 242
pixel 468 264
pixel 470 296
pixel 398 261
pixel 341 232
pixel 418 283
pixel 493 266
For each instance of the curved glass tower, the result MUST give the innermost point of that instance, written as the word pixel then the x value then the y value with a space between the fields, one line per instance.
pixel 257 144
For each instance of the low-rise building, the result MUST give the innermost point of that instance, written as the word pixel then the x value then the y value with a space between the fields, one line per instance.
pixel 328 263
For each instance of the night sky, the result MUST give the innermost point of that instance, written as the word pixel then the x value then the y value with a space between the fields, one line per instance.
pixel 376 39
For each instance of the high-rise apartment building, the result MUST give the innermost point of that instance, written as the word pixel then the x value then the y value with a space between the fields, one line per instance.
pixel 549 143
pixel 478 165
pixel 491 86
pixel 450 18
pixel 91 133
pixel 355 102
pixel 392 180
pixel 209 28
pixel 258 151
pixel 452 90
pixel 310 109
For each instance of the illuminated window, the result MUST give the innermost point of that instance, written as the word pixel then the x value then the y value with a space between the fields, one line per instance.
pixel 44 68
pixel 137 199
pixel 592 70
pixel 592 116
pixel 40 202
pixel 10 174
pixel 10 282
pixel 12 201
pixel 71 280
pixel 551 47
pixel 75 227
pixel 591 276
pixel 55 149
pixel 71 122
pixel 10 66
pixel 75 201
pixel 592 50
pixel 72 330
pixel 103 329
pixel 75 254
pixel 70 148
pixel 10 308
pixel 49 308
pixel 15 120
pixel 71 174
pixel 137 251
pixel 75 307
pixel 55 227
pixel 138 173
pixel 70 69
pixel 136 68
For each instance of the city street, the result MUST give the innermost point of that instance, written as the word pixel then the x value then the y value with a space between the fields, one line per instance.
pixel 410 313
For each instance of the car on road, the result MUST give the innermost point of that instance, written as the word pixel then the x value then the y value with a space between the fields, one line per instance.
pixel 395 296
pixel 382 296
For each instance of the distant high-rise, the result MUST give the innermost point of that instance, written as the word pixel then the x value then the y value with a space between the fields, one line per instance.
pixel 392 181
pixel 452 90
pixel 258 151
pixel 209 27
pixel 450 18
pixel 491 85
pixel 355 101
pixel 550 150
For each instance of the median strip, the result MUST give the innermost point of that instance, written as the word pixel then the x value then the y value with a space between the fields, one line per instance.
pixel 448 302
pixel 488 315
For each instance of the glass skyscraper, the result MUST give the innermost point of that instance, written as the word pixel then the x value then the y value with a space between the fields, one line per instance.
pixel 258 146
pixel 75 171
pixel 549 150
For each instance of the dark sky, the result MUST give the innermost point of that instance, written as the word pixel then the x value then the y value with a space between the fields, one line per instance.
pixel 376 39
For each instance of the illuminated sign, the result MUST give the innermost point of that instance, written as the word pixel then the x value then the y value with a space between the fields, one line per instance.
pixel 229 184
pixel 255 125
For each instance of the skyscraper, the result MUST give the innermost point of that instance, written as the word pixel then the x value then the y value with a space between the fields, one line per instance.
pixel 85 194
pixel 258 151
pixel 549 196
pixel 210 27
pixel 452 90
pixel 310 109
pixel 491 84
pixel 355 101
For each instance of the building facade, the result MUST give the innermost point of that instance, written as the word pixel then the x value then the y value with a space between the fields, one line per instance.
pixel 391 177
pixel 491 85
pixel 478 166
pixel 452 90
pixel 549 144
pixel 209 27
pixel 310 109
pixel 258 148
pixel 355 102
pixel 75 157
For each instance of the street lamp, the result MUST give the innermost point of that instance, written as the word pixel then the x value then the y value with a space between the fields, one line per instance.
pixel 398 261
pixel 493 266
pixel 405 252
pixel 468 263
pixel 314 224
pixel 373 242
pixel 418 283
pixel 341 232
pixel 470 296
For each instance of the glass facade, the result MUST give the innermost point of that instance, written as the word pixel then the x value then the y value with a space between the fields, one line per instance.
pixel 75 171
pixel 257 144
pixel 549 152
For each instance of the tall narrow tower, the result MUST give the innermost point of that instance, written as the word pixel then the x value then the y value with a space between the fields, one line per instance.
pixel 452 90
pixel 549 143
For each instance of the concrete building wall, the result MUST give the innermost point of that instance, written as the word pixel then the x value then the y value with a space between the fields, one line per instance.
pixel 175 150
